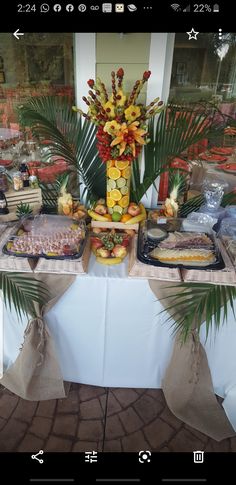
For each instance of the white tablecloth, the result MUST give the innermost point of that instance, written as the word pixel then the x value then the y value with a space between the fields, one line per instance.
pixel 108 332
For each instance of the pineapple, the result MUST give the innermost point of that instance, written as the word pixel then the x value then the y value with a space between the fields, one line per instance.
pixel 65 201
pixel 171 205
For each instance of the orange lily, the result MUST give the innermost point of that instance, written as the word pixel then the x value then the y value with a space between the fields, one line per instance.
pixel 129 131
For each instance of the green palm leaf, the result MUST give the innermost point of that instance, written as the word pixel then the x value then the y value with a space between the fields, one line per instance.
pixel 169 139
pixel 199 301
pixel 51 118
pixel 21 292
pixel 195 203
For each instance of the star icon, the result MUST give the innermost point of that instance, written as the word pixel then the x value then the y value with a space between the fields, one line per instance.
pixel 192 34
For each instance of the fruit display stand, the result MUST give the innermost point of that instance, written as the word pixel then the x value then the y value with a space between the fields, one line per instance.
pixel 33 197
pixel 114 225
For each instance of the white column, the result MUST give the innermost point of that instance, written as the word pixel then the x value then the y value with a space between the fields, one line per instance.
pixel 85 65
pixel 84 69
pixel 160 65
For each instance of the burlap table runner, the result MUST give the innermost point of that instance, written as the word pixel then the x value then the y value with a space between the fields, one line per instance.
pixel 187 384
pixel 36 375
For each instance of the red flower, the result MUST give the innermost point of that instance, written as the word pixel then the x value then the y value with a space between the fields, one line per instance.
pixel 120 72
pixel 146 75
pixel 90 83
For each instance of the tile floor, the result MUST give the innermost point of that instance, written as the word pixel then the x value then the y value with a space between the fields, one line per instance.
pixel 97 418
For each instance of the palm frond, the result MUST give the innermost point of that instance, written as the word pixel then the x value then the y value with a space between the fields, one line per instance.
pixel 50 192
pixel 195 203
pixel 21 292
pixel 169 139
pixel 51 118
pixel 198 301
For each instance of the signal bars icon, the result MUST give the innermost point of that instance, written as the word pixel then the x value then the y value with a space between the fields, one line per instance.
pixel 187 9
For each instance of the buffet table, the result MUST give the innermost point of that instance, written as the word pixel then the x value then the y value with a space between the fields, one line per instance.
pixel 108 332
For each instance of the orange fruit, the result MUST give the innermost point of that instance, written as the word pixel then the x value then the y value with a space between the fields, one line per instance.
pixel 126 172
pixel 108 217
pixel 121 165
pixel 124 202
pixel 115 194
pixel 110 163
pixel 110 202
pixel 114 173
pixel 125 218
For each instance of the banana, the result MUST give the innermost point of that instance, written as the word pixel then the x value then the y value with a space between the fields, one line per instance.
pixel 136 219
pixel 108 261
pixel 96 217
pixel 143 210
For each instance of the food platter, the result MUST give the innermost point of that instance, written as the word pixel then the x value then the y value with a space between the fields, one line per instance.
pixel 178 249
pixel 47 236
pixel 212 158
pixel 229 167
pixel 224 151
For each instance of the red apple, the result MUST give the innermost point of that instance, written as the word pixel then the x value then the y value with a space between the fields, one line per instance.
pixel 100 209
pixel 96 243
pixel 119 251
pixel 103 252
pixel 125 242
pixel 134 209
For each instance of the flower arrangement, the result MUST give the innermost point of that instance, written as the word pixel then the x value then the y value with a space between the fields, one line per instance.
pixel 121 121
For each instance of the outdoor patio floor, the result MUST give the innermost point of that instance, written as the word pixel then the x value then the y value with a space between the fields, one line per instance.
pixel 100 419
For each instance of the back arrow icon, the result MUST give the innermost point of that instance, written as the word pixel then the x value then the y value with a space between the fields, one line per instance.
pixel 17 34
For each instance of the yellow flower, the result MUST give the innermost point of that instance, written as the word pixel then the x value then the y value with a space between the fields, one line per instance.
pixel 111 127
pixel 121 98
pixel 110 109
pixel 132 112
pixel 135 134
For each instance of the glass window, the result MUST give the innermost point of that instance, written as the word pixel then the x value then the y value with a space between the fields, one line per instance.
pixel 37 65
pixel 205 70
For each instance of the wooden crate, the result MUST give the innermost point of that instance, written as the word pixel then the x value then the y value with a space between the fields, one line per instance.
pixel 114 225
pixel 33 197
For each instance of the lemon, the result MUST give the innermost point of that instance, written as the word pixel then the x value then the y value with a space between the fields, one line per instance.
pixel 117 208
pixel 120 182
pixel 111 183
pixel 126 172
pixel 124 190
pixel 116 217
pixel 114 173
pixel 110 202
pixel 115 194
pixel 110 210
pixel 124 202
pixel 108 188
pixel 121 165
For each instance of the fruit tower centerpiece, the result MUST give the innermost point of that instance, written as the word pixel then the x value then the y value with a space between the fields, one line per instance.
pixel 122 132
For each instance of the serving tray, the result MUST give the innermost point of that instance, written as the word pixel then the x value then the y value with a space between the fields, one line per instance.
pixel 76 255
pixel 146 245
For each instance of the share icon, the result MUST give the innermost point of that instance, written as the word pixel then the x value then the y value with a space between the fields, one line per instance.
pixel 35 457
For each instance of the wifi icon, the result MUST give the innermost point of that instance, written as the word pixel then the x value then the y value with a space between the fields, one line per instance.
pixel 176 7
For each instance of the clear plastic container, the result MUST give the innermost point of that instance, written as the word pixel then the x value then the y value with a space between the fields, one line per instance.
pixel 228 227
pixel 230 211
pixel 17 181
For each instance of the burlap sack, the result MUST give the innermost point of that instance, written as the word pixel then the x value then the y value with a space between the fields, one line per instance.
pixel 187 384
pixel 36 374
